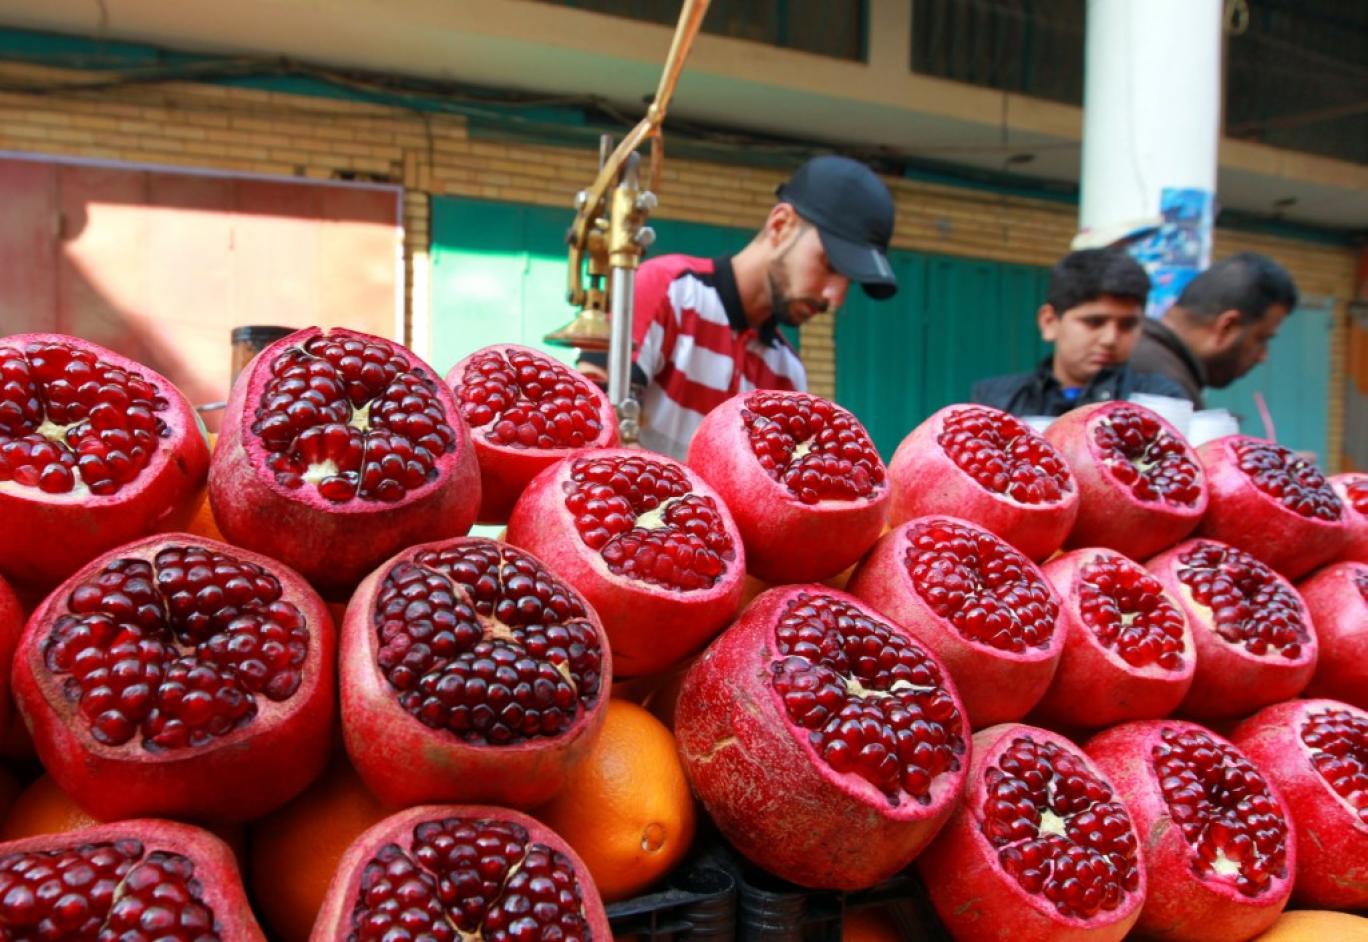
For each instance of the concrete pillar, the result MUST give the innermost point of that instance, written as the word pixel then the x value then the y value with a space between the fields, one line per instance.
pixel 1151 126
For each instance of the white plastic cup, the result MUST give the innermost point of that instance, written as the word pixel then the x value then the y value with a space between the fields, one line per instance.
pixel 1038 422
pixel 1178 412
pixel 1208 424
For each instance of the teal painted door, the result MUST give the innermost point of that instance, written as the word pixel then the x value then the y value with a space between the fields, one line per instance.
pixel 953 321
pixel 1294 382
pixel 499 272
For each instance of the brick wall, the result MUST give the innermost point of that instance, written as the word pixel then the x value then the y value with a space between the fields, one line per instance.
pixel 232 129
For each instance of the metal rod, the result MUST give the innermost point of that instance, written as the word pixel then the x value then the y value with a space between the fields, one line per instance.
pixel 620 355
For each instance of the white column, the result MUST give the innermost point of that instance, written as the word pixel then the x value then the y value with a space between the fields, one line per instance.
pixel 1151 126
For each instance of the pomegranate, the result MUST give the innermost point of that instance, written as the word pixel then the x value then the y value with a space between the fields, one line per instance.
pixel 988 467
pixel 525 411
pixel 1140 486
pixel 459 873
pixel 1128 652
pixel 94 449
pixel 1316 752
pixel 139 879
pixel 979 605
pixel 1336 599
pixel 1272 503
pixel 802 479
pixel 1218 849
pixel 827 745
pixel 336 451
pixel 11 625
pixel 647 542
pixel 182 677
pixel 1254 641
pixel 470 673
pixel 1353 493
pixel 1040 849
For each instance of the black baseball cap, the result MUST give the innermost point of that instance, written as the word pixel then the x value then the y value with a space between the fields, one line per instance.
pixel 853 213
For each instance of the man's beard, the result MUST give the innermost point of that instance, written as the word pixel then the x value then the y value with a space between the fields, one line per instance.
pixel 783 308
pixel 1222 368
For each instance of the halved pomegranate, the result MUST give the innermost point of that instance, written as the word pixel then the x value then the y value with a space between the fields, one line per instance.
pixel 990 468
pixel 338 449
pixel 1140 486
pixel 979 605
pixel 1255 644
pixel 1316 752
pixel 179 676
pixel 1336 599
pixel 1219 851
pixel 470 673
pixel 647 542
pixel 1352 490
pixel 11 626
pixel 1042 848
pixel 1128 652
pixel 452 873
pixel 827 745
pixel 1272 503
pixel 525 411
pixel 94 449
pixel 802 479
pixel 139 879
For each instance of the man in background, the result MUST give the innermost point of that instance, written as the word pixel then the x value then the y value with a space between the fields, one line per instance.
pixel 1093 311
pixel 1220 326
pixel 706 329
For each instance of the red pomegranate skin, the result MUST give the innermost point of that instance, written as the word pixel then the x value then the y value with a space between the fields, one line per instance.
pixel 149 878
pixel 1336 598
pixel 114 407
pixel 1141 487
pixel 759 772
pixel 11 626
pixel 1228 874
pixel 525 411
pixel 335 543
pixel 1352 488
pixel 269 756
pixel 405 761
pixel 802 479
pixel 979 900
pixel 1255 642
pixel 522 881
pixel 651 625
pixel 1108 673
pixel 1033 501
pixel 998 682
pixel 1316 752
pixel 1281 510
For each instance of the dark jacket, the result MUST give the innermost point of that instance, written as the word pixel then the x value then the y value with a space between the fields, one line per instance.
pixel 1039 393
pixel 1159 350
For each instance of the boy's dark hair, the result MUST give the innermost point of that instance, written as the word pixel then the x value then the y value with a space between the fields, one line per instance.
pixel 1087 274
pixel 1250 283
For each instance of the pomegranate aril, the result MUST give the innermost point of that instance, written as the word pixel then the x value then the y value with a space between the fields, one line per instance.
pixel 484 642
pixel 1004 455
pixel 815 448
pixel 872 703
pixel 1224 809
pixel 1249 605
pixel 1338 740
pixel 983 586
pixel 1143 455
pixel 1126 609
pixel 1291 480
pixel 1058 831
pixel 525 401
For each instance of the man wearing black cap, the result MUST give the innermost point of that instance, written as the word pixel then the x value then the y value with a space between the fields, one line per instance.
pixel 706 329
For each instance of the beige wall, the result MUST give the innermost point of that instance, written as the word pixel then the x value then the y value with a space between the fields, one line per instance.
pixel 214 127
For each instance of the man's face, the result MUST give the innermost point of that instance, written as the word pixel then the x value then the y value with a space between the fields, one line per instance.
pixel 801 280
pixel 1246 348
pixel 1092 336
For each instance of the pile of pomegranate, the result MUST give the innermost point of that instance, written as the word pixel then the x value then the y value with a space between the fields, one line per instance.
pixel 1078 684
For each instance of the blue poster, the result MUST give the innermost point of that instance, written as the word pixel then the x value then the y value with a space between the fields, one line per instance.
pixel 1179 248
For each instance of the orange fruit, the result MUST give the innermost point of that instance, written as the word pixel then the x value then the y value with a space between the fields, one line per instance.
pixel 1314 925
pixel 194 516
pixel 9 791
pixel 296 849
pixel 869 924
pixel 626 810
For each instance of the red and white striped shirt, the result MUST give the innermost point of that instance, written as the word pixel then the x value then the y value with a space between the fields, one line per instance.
pixel 694 348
